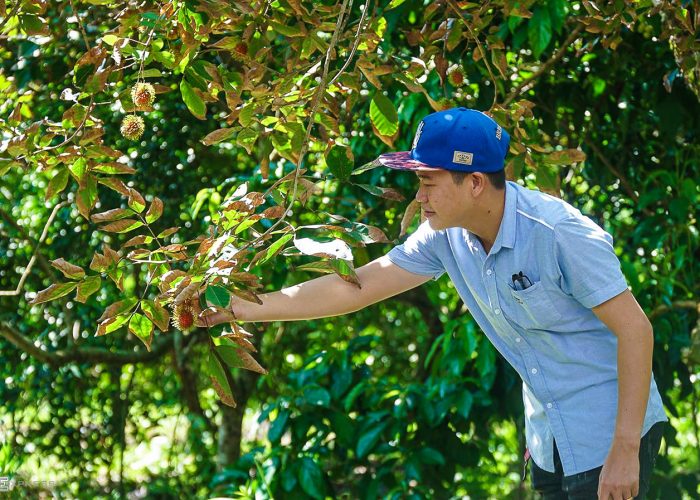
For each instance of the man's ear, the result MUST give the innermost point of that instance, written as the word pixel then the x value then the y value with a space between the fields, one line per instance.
pixel 477 183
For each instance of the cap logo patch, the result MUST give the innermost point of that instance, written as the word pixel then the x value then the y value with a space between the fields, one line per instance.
pixel 499 132
pixel 462 157
pixel 418 132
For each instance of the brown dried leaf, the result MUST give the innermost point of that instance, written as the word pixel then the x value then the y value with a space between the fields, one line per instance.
pixel 408 216
pixel 69 270
pixel 136 240
pixel 110 215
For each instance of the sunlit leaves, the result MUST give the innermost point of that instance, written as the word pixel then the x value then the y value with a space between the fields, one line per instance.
pixel 87 287
pixel 192 100
pixel 57 183
pixel 142 327
pixel 217 296
pixel 158 314
pixel 385 119
pixel 53 292
pixel 335 249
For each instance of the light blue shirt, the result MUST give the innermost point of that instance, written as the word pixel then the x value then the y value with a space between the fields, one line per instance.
pixel 566 357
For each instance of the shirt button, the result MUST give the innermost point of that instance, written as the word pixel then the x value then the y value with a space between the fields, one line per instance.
pixel 549 405
pixel 518 339
pixel 497 311
pixel 534 371
pixel 489 272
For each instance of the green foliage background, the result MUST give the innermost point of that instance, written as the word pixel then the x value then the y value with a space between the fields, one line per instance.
pixel 405 399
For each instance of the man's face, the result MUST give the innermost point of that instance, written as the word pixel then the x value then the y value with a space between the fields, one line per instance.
pixel 444 203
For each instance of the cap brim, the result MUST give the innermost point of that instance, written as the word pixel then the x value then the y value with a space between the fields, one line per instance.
pixel 402 160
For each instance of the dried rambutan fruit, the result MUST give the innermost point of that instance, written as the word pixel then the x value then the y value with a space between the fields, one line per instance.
pixel 143 94
pixel 132 127
pixel 456 76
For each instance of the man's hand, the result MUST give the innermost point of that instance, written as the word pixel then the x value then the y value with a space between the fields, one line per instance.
pixel 216 315
pixel 619 479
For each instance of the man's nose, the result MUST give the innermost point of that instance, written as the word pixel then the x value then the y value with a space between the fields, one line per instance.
pixel 421 196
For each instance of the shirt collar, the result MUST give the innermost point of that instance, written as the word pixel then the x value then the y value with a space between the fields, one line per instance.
pixel 506 231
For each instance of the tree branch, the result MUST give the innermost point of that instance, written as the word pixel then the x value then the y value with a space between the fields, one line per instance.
pixel 162 345
pixel 679 304
pixel 551 61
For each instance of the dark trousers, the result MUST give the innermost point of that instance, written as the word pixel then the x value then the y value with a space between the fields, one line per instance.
pixel 584 486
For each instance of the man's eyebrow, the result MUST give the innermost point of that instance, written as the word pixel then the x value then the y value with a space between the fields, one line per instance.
pixel 422 175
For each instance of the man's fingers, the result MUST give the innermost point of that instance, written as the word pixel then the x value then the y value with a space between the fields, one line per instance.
pixel 214 315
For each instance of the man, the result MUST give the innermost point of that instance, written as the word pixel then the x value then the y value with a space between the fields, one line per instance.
pixel 545 286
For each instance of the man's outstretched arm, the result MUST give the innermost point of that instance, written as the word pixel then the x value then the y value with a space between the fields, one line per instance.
pixel 325 296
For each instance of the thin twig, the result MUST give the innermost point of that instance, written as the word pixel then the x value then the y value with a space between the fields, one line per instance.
pixel 28 269
pixel 80 24
pixel 480 47
pixel 354 45
pixel 11 14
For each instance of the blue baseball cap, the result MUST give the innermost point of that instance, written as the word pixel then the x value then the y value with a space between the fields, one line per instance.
pixel 457 139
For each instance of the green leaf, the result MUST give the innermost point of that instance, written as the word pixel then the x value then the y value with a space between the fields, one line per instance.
pixel 192 100
pixel 278 426
pixel 33 25
pixel 111 325
pixel 340 161
pixel 317 396
pixel 54 292
pixel 311 478
pixel 276 247
pixel 57 183
pixel 539 30
pixel 87 287
pixel 431 456
pixel 246 138
pixel 156 313
pixel 237 357
pixel 142 327
pixel 388 193
pixel 217 295
pixel 463 403
pixel 86 197
pixel 369 439
pixel 383 115
pixel 110 39
pixel 394 4
pixel 79 169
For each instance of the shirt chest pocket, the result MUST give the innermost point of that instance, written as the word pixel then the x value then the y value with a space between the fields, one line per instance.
pixel 532 308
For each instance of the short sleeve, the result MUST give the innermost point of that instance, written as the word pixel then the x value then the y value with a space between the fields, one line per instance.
pixel 586 257
pixel 419 253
